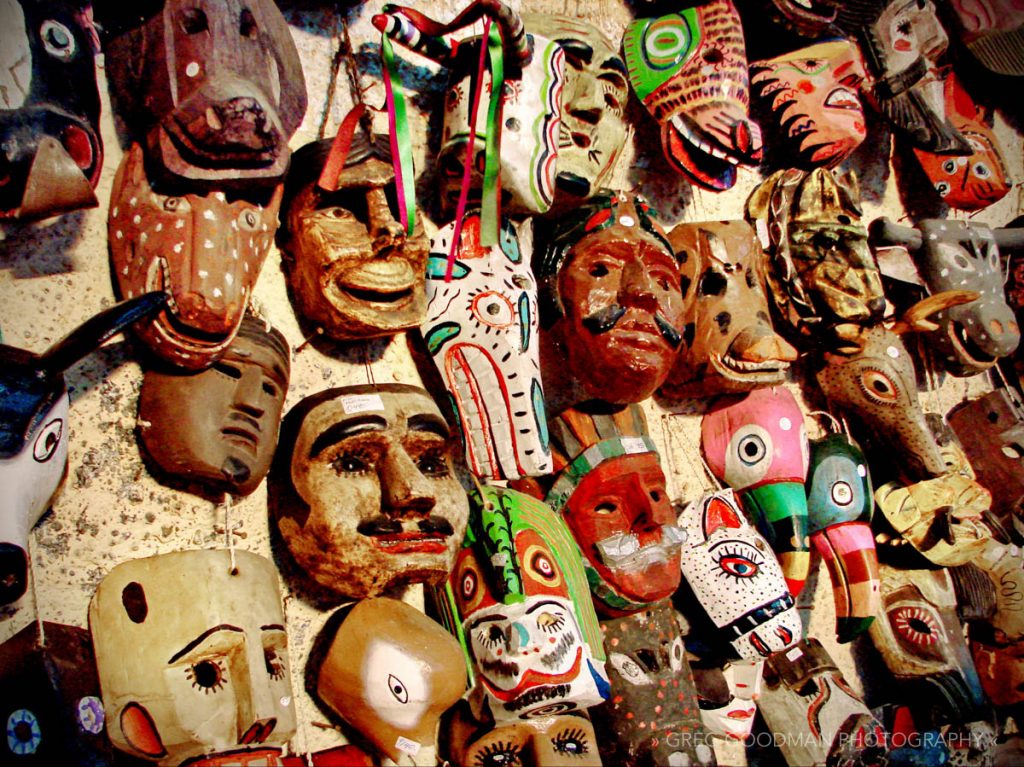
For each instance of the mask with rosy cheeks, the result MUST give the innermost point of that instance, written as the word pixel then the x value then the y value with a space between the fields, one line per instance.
pixel 812 96
pixel 351 267
pixel 192 658
pixel 363 491
pixel 205 251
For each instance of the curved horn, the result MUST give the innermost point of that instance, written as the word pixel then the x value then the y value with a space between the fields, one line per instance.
pixel 884 232
pixel 916 317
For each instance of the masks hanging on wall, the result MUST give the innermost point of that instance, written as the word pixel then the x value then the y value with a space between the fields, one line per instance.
pixel 351 267
pixel 213 89
pixel 363 490
pixel 34 430
pixel 219 427
pixel 205 251
pixel 758 446
pixel 192 657
pixel 611 297
pixel 49 109
pixel 690 70
pixel 729 342
pixel 481 329
pixel 991 30
pixel 390 672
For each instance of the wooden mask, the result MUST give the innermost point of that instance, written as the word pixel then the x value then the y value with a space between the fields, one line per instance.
pixel 390 672
pixel 610 490
pixel 49 109
pixel 611 296
pixel 689 68
pixel 517 584
pixel 481 329
pixel 727 696
pixel 218 427
pixel 1001 671
pixel 351 267
pixel 729 342
pixel 822 272
pixel 1003 563
pixel 192 657
pixel 991 30
pixel 757 445
pixel 34 430
pixel 839 506
pixel 205 251
pixel 214 89
pixel 811 95
pixel 363 490
pixel 734 578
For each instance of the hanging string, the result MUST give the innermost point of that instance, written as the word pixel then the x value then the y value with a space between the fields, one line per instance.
pixel 343 55
pixel 367 366
pixel 35 594
pixel 832 419
pixel 229 533
pixel 1017 405
pixel 695 450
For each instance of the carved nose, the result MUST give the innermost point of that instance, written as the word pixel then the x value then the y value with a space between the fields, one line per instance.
pixel 751 346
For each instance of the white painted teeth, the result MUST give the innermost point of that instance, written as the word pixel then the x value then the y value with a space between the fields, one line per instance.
pixel 680 125
pixel 747 366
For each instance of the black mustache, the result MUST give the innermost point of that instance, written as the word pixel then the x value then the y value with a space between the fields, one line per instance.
pixel 605 319
pixel 388 526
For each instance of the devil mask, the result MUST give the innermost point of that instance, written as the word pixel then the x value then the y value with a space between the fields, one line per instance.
pixel 351 267
pixel 730 344
pixel 205 251
pixel 390 672
pixel 192 657
pixel 812 97
pixel 689 68
pixel 218 427
pixel 611 295
pixel 518 584
pixel 34 430
pixel 49 109
pixel 363 489
pixel 481 329
pixel 214 89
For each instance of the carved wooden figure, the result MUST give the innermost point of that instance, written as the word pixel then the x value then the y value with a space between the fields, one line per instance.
pixel 192 658
pixel 611 296
pixel 363 491
pixel 689 68
pixel 992 31
pixel 757 445
pixel 49 109
pixel 727 697
pixel 218 427
pixel 205 251
pixel 390 672
pixel 34 430
pixel 728 340
pixel 481 329
pixel 214 89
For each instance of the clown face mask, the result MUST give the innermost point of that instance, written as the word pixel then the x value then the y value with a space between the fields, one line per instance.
pixel 192 657
pixel 481 330
pixel 49 109
pixel 218 427
pixel 730 342
pixel 520 604
pixel 206 252
pixel 812 97
pixel 215 87
pixel 363 490
pixel 390 672
pixel 351 267
pixel 611 285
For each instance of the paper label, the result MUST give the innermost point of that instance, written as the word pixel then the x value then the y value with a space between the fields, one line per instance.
pixel 411 747
pixel 360 403
pixel 795 653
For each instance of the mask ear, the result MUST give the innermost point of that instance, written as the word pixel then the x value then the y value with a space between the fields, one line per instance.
pixel 140 731
pixel 718 514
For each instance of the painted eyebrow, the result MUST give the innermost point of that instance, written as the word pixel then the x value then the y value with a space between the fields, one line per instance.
pixel 429 423
pixel 335 433
pixel 615 64
pixel 201 638
pixel 488 619
pixel 272 627
pixel 545 603
pixel 578 48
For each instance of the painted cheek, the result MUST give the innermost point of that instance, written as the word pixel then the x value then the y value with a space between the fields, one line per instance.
pixel 902 45
pixel 806 86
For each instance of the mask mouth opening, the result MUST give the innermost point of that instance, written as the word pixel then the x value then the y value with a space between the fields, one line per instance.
pixel 966 349
pixel 13 573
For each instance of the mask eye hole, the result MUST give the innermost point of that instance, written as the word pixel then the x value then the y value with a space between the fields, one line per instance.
pixel 194 21
pixel 47 440
pixel 57 40
pixel 247 24
pixel 751 450
pixel 879 387
pixel 842 493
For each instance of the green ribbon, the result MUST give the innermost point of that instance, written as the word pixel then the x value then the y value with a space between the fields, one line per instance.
pixel 489 212
pixel 401 141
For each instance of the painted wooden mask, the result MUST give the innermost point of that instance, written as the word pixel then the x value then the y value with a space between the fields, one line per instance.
pixel 729 342
pixel 1001 671
pixel 192 657
pixel 728 695
pixel 518 584
pixel 390 672
pixel 205 251
pixel 991 29
pixel 363 490
pixel 812 97
pixel 481 329
pixel 218 427
pixel 610 490
pixel 49 109
pixel 34 430
pixel 689 68
pixel 758 446
pixel 737 582
pixel 352 269
pixel 611 296
pixel 214 89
